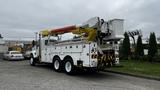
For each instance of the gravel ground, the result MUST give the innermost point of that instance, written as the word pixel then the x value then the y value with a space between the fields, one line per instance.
pixel 19 75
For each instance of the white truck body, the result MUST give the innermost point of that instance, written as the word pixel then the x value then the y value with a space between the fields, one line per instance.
pixel 79 51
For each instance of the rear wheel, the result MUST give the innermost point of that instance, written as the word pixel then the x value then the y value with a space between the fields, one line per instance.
pixel 68 65
pixel 57 65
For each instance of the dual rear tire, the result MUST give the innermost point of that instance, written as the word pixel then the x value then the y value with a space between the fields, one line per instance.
pixel 67 65
pixel 58 65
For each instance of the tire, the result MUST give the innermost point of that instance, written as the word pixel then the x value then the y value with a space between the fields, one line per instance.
pixel 68 66
pixel 57 65
pixel 32 61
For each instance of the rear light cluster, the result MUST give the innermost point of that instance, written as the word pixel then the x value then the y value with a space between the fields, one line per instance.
pixel 94 56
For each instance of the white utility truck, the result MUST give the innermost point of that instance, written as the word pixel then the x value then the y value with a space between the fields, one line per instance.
pixel 95 45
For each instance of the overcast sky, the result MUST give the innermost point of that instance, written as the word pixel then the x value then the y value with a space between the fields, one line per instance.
pixel 22 18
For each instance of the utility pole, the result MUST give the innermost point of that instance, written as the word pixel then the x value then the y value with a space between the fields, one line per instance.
pixel 134 33
pixel 36 36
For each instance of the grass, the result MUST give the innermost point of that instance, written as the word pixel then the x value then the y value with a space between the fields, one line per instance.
pixel 138 68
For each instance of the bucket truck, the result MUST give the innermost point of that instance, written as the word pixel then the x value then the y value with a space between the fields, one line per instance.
pixel 94 46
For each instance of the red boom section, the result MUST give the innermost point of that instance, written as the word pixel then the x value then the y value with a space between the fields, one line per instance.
pixel 66 29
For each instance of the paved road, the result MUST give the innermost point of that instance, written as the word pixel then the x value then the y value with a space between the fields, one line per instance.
pixel 19 75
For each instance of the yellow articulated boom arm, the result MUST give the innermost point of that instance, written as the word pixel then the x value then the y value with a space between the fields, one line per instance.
pixel 45 33
pixel 88 33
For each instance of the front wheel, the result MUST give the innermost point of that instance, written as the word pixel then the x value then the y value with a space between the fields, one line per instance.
pixel 32 61
pixel 69 67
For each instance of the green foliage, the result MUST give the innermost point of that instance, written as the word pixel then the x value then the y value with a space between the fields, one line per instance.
pixel 120 51
pixel 138 68
pixel 139 48
pixel 152 50
pixel 126 46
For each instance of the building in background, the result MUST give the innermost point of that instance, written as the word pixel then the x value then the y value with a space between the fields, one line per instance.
pixel 18 45
pixel 8 44
pixel 3 47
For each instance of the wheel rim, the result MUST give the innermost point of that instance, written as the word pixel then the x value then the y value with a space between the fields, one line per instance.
pixel 56 64
pixel 31 61
pixel 68 66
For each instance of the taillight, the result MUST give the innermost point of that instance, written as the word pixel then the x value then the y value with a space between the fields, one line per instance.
pixel 94 56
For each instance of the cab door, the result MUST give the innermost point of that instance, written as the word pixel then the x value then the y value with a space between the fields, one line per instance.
pixel 44 51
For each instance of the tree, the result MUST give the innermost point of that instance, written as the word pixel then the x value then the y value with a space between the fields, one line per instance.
pixel 126 46
pixel 152 49
pixel 139 48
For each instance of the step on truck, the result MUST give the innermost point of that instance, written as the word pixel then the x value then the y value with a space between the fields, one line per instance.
pixel 94 46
